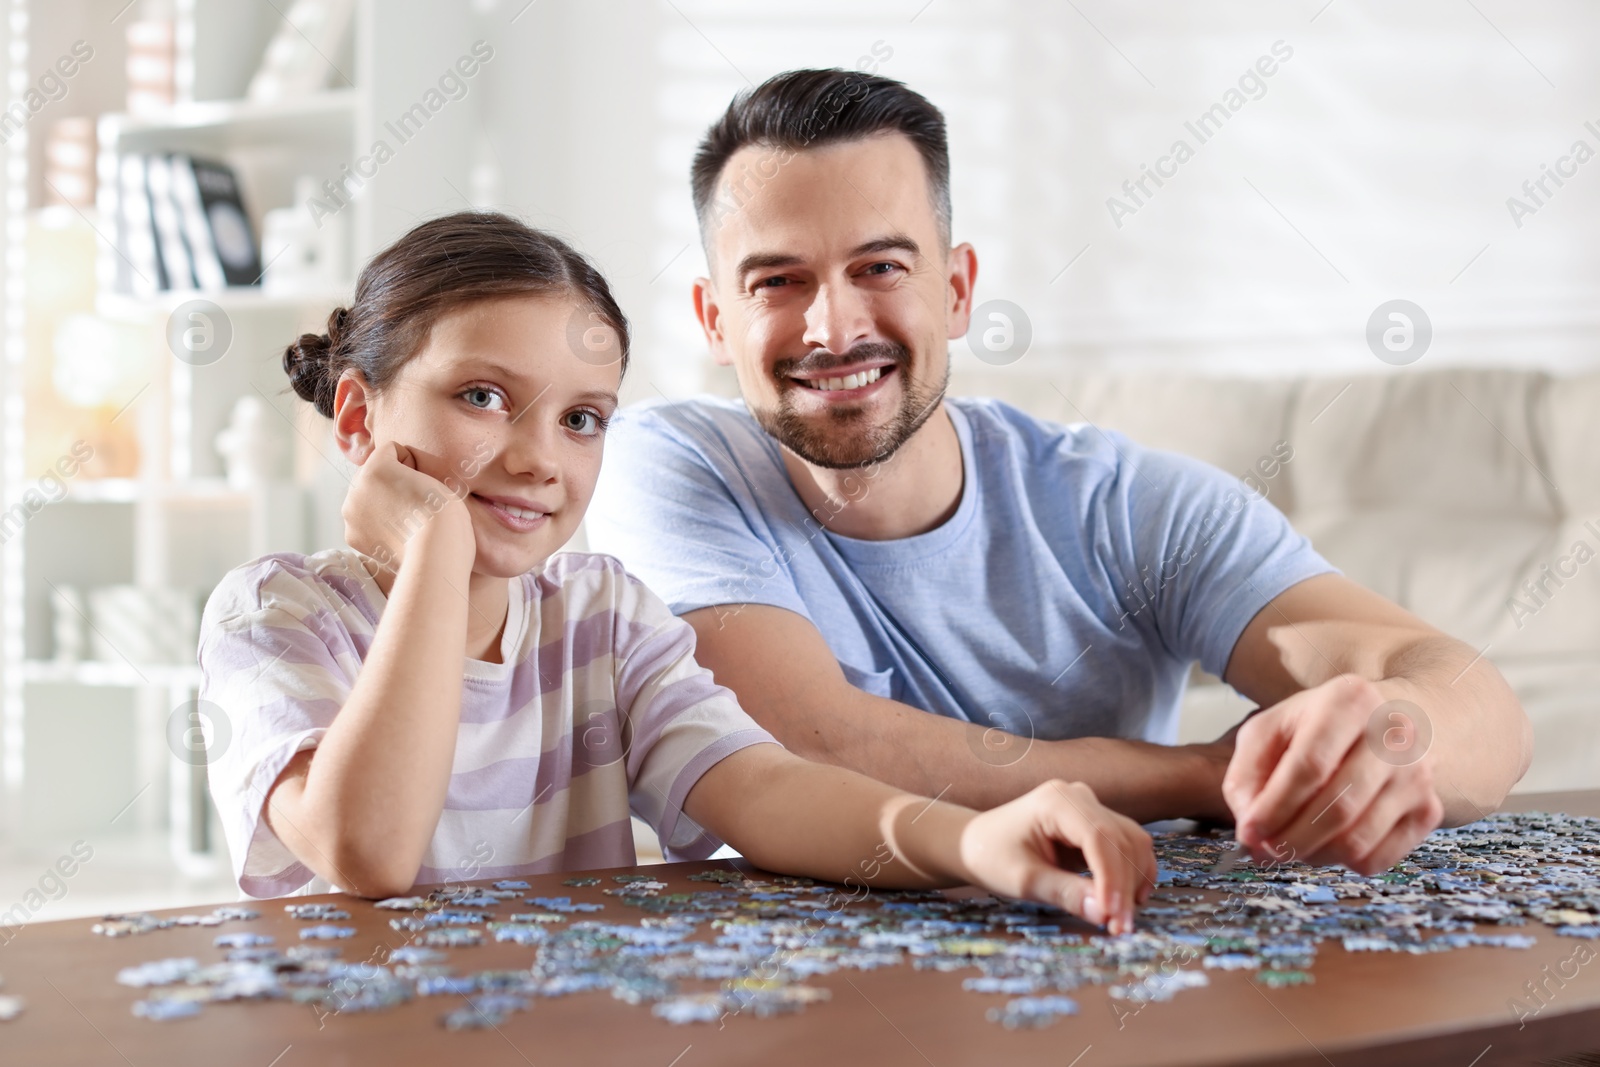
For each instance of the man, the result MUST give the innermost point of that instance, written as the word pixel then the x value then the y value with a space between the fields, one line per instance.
pixel 856 551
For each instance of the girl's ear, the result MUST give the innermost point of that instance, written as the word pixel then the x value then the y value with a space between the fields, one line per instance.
pixel 352 416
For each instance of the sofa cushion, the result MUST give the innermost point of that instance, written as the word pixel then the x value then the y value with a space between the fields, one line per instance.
pixel 1551 605
pixel 1570 418
pixel 1458 442
pixel 1452 572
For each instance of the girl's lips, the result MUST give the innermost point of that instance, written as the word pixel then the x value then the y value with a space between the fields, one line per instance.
pixel 523 523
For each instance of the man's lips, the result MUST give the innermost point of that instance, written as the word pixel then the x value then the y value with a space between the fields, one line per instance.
pixel 847 379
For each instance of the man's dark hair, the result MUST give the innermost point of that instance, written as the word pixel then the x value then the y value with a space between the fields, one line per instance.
pixel 808 108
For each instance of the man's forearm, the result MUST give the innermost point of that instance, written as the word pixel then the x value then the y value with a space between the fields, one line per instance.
pixel 1440 700
pixel 804 699
pixel 1478 736
pixel 981 768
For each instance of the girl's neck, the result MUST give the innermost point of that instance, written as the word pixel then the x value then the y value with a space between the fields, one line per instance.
pixel 488 601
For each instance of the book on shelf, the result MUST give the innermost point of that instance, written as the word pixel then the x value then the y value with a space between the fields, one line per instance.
pixel 140 252
pixel 169 229
pixel 182 225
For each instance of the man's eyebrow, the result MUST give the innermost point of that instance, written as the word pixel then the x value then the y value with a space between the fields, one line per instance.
pixel 897 242
pixel 764 261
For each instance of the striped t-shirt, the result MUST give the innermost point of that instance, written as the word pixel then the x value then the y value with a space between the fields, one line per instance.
pixel 596 709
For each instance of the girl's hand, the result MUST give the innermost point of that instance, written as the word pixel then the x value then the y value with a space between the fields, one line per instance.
pixel 1018 850
pixel 391 501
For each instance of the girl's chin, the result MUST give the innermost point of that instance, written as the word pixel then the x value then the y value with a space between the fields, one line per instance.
pixel 503 565
pixel 496 559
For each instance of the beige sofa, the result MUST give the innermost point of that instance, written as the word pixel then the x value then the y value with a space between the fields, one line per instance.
pixel 1445 491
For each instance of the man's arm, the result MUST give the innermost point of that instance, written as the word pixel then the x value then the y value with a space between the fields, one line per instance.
pixel 786 677
pixel 1380 727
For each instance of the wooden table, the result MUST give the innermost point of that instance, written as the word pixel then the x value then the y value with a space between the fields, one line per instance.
pixel 1364 1008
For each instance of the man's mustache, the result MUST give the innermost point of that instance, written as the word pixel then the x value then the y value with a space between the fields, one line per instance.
pixel 819 363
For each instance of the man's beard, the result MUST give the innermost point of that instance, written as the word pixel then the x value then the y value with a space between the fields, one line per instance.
pixel 843 442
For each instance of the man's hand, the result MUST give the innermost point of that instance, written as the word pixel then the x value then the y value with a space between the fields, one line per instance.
pixel 1318 774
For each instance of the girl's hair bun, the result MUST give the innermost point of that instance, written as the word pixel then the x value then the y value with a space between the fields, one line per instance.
pixel 309 363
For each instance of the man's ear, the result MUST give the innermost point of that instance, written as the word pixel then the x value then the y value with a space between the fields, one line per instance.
pixel 710 316
pixel 352 416
pixel 963 276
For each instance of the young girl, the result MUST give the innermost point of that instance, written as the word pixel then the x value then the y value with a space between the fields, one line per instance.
pixel 448 698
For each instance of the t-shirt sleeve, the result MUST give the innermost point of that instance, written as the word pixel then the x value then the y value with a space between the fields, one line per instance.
pixel 682 722
pixel 1209 549
pixel 276 666
pixel 676 504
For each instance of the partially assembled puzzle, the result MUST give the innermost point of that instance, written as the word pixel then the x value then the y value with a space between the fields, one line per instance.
pixel 749 945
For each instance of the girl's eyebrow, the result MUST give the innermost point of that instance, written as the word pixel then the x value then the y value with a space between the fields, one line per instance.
pixel 499 370
pixel 496 370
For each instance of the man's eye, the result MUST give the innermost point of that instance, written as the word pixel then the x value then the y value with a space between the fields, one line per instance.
pixel 583 422
pixel 485 399
pixel 882 268
pixel 772 283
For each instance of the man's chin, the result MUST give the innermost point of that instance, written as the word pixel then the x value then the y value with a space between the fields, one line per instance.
pixel 838 440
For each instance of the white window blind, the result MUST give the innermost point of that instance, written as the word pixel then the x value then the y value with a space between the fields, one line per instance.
pixel 1374 162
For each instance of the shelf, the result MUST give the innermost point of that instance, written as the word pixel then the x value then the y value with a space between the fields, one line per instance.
pixel 104 491
pixel 326 117
pixel 109 673
pixel 132 490
pixel 243 299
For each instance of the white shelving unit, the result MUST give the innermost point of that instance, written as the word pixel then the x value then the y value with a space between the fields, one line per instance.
pixel 178 523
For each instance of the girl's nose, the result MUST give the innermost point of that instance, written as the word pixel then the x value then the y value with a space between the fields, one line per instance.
pixel 531 452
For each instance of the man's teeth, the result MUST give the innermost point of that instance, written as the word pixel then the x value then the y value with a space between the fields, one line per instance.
pixel 849 381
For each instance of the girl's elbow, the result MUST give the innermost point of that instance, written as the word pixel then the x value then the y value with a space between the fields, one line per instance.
pixel 372 876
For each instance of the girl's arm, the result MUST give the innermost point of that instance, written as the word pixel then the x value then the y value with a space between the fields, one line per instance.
pixel 361 807
pixel 789 815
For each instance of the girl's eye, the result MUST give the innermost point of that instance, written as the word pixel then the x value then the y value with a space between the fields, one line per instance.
pixel 583 422
pixel 484 399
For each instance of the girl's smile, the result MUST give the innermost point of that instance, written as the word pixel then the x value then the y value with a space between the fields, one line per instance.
pixel 522 516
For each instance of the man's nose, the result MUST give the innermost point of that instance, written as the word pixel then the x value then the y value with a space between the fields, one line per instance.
pixel 838 318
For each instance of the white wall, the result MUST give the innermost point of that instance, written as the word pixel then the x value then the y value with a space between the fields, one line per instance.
pixel 1376 164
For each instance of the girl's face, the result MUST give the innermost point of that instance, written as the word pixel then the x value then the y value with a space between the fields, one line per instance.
pixel 499 406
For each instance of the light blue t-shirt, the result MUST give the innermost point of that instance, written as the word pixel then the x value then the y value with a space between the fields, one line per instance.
pixel 1079 577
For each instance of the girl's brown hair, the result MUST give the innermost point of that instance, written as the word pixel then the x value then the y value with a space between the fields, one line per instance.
pixel 437 267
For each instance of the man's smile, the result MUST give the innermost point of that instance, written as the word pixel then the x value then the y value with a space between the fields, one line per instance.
pixel 855 381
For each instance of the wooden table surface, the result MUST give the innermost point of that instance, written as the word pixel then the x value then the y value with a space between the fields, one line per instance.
pixel 1364 1008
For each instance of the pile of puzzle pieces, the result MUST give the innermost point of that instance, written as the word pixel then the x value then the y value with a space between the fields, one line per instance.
pixel 748 945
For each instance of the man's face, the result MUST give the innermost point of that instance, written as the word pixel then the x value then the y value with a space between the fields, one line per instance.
pixel 832 295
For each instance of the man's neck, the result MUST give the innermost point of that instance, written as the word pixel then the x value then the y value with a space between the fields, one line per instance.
pixel 913 491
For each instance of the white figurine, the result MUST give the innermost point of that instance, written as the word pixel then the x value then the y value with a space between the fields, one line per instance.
pixel 248 448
